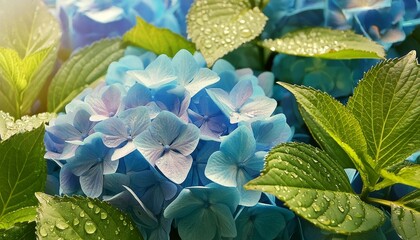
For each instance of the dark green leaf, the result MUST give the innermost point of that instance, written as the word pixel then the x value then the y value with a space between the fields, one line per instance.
pixel 387 104
pixel 220 26
pixel 315 187
pixel 81 218
pixel 334 128
pixel 22 170
pixel 81 70
pixel 20 231
pixel 157 40
pixel 326 43
pixel 406 216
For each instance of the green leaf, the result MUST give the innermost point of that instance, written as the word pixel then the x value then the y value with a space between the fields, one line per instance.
pixel 157 40
pixel 408 175
pixel 405 215
pixel 220 26
pixel 29 33
pixel 387 104
pixel 25 214
pixel 81 70
pixel 20 231
pixel 24 124
pixel 22 170
pixel 325 43
pixel 81 218
pixel 334 128
pixel 315 187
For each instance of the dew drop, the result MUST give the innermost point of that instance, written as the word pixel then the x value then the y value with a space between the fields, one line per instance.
pixel 104 215
pixel 43 232
pixel 82 214
pixel 97 210
pixel 324 220
pixel 348 217
pixel 121 217
pixel 207 44
pixel 76 221
pixel 316 207
pixel 90 205
pixel 124 223
pixel 90 227
pixel 341 209
pixel 61 225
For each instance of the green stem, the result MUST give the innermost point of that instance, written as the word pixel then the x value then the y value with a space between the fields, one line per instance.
pixel 380 201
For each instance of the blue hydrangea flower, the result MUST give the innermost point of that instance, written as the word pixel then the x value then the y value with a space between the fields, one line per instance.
pixel 84 22
pixel 167 144
pixel 204 212
pixel 105 102
pixel 245 101
pixel 263 221
pixel 91 161
pixel 236 163
pixel 119 132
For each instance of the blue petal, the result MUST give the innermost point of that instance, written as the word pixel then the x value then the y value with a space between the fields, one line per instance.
pixel 258 107
pixel 226 223
pixel 123 151
pixel 222 100
pixel 69 183
pixel 240 93
pixel 114 132
pixel 221 169
pixel 185 66
pixel 239 145
pixel 137 119
pixel 205 228
pixel 158 73
pixel 183 205
pixel 166 127
pixel 137 95
pixel 92 181
pixel 149 146
pixel 203 78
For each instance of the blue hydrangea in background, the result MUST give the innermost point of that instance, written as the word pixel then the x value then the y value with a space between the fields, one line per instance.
pixel 170 140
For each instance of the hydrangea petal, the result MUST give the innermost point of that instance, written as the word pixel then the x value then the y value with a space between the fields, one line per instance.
pixel 114 132
pixel 226 223
pixel 203 78
pixel 222 100
pixel 185 66
pixel 174 166
pixel 121 152
pixel 183 205
pixel 220 169
pixel 240 93
pixel 205 229
pixel 92 181
pixel 158 73
pixel 258 107
pixel 187 140
pixel 239 145
pixel 149 146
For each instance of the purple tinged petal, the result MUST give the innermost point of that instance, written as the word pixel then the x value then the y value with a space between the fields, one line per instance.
pixel 174 166
pixel 92 182
pixel 204 77
pixel 64 131
pixel 221 169
pixel 222 100
pixel 149 146
pixel 258 107
pixel 166 127
pixel 187 140
pixel 114 132
pixel 240 93
pixel 137 119
pixel 266 82
pixel 69 183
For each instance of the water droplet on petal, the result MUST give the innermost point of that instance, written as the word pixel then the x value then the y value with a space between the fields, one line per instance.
pixel 43 231
pixel 76 221
pixel 61 225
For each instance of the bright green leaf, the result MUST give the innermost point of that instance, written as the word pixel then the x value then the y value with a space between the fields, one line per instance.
pixel 22 170
pixel 220 26
pixel 326 43
pixel 81 70
pixel 24 124
pixel 405 215
pixel 334 128
pixel 387 104
pixel 408 175
pixel 29 29
pixel 20 231
pixel 81 218
pixel 157 40
pixel 315 187
pixel 25 214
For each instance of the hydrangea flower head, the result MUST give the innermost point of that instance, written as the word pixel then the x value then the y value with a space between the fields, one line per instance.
pixel 167 144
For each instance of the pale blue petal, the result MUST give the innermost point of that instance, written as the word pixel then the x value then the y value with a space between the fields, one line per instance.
pixel 109 166
pixel 69 183
pixel 239 145
pixel 137 95
pixel 221 169
pixel 64 131
pixel 185 66
pixel 204 229
pixel 114 132
pixel 187 140
pixel 222 100
pixel 137 119
pixel 92 181
pixel 174 166
pixel 266 82
pixel 166 127
pixel 204 77
pixel 157 73
pixel 247 197
pixel 226 223
pixel 149 146
pixel 258 107
pixel 123 151
pixel 81 121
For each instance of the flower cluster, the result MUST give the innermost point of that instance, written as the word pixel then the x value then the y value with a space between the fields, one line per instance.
pixel 171 141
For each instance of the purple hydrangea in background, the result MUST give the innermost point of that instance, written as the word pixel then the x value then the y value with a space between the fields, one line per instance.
pixel 167 139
